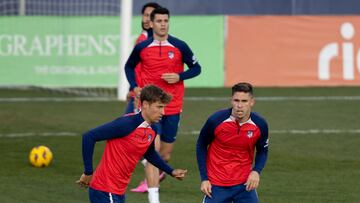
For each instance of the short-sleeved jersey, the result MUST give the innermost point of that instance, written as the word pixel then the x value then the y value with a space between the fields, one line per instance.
pixel 228 148
pixel 159 57
pixel 128 139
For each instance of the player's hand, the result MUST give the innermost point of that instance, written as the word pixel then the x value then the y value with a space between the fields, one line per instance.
pixel 171 78
pixel 179 173
pixel 136 104
pixel 253 181
pixel 84 181
pixel 137 91
pixel 206 188
pixel 129 95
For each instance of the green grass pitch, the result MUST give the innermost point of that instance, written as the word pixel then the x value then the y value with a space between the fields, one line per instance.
pixel 314 145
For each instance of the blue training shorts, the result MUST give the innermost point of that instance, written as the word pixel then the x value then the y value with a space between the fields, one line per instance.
pixel 97 196
pixel 231 194
pixel 168 127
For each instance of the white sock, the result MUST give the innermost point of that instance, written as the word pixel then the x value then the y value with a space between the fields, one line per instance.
pixel 144 161
pixel 153 195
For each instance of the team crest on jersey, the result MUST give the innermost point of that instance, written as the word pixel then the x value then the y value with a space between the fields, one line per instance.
pixel 250 133
pixel 149 137
pixel 171 54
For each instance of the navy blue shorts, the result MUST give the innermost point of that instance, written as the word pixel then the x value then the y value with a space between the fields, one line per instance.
pixel 168 127
pixel 97 196
pixel 231 194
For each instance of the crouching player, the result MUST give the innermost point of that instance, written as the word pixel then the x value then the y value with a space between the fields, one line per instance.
pixel 128 139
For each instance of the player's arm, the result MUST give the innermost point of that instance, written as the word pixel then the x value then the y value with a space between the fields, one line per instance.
pixel 260 157
pixel 194 68
pixel 205 138
pixel 130 65
pixel 114 129
pixel 262 147
pixel 154 158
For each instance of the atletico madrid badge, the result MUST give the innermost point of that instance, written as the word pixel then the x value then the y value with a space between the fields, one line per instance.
pixel 249 133
pixel 171 54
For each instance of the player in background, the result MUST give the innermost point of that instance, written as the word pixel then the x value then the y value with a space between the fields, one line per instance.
pixel 226 147
pixel 133 104
pixel 128 139
pixel 133 101
pixel 162 59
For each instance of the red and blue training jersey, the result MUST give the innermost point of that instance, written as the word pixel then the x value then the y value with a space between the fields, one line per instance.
pixel 128 139
pixel 225 148
pixel 159 57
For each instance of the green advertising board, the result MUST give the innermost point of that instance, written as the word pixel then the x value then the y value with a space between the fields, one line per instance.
pixel 84 51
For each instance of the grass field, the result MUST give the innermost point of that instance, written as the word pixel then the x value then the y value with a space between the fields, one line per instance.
pixel 314 145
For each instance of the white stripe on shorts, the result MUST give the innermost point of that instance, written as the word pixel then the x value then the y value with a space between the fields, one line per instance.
pixel 204 199
pixel 110 197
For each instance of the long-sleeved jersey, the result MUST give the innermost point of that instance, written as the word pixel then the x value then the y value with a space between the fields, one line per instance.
pixel 128 139
pixel 225 148
pixel 159 57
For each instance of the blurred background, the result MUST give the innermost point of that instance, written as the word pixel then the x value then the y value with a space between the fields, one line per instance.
pixel 67 43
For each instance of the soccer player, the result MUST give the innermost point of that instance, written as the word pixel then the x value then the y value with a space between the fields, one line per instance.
pixel 133 104
pixel 162 59
pixel 226 147
pixel 128 139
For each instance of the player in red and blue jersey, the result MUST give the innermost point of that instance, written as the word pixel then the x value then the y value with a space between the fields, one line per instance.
pixel 226 147
pixel 128 139
pixel 162 59
pixel 133 101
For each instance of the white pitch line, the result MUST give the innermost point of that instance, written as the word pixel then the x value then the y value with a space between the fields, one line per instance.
pixel 298 132
pixel 215 99
pixel 280 98
pixel 56 99
pixel 44 134
pixel 290 132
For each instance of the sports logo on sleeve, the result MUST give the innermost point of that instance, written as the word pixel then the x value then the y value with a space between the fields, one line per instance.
pixel 267 143
pixel 194 59
pixel 149 138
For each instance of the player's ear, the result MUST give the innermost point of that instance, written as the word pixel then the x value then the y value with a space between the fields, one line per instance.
pixel 252 101
pixel 145 105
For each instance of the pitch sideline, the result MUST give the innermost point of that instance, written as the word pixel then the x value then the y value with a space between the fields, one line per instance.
pixel 290 132
pixel 106 99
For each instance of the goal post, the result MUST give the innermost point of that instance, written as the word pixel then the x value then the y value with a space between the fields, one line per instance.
pixel 125 47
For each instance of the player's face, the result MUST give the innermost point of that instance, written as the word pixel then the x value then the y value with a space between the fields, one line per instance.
pixel 145 22
pixel 160 25
pixel 242 104
pixel 153 112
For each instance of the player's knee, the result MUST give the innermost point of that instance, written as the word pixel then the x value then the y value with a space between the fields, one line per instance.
pixel 166 157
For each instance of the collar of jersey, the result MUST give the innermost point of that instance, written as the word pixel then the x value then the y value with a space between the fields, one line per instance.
pixel 248 121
